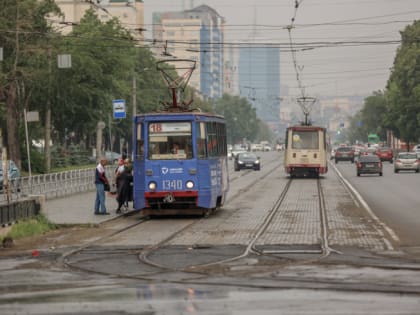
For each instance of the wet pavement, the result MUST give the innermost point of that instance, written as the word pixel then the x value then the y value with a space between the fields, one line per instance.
pixel 128 273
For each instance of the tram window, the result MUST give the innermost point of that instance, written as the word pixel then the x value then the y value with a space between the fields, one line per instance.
pixel 170 141
pixel 216 139
pixel 211 139
pixel 305 140
pixel 201 140
pixel 140 143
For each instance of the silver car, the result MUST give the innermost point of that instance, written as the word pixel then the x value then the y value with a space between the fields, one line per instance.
pixel 406 161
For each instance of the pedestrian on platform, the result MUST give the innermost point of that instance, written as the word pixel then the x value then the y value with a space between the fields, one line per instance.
pixel 124 193
pixel 101 181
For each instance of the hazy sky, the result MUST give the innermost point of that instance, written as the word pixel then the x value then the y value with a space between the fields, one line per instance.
pixel 357 36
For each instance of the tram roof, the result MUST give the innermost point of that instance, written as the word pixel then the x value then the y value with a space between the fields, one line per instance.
pixel 306 128
pixel 179 116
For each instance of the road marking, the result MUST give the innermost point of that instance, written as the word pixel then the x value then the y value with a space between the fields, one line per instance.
pixel 369 210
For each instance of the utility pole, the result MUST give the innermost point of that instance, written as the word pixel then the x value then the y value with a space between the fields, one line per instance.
pixel 47 149
pixel 134 97
pixel 99 128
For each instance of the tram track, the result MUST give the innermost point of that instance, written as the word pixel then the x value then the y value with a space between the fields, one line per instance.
pixel 145 251
pixel 251 248
pixel 199 273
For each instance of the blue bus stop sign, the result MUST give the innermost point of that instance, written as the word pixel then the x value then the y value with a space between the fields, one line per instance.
pixel 119 108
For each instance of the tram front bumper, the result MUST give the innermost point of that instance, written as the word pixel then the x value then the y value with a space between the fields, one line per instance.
pixel 171 198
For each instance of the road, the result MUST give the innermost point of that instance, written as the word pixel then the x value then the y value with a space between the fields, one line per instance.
pixel 394 198
pixel 300 246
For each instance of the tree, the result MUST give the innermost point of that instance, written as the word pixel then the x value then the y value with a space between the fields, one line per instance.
pixel 403 88
pixel 24 27
pixel 373 114
pixel 241 118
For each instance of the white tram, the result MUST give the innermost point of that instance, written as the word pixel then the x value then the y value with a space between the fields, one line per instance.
pixel 306 151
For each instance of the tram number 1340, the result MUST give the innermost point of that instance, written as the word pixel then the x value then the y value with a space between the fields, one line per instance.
pixel 172 184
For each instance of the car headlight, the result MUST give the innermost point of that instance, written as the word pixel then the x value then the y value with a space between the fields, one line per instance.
pixel 152 186
pixel 257 162
pixel 189 184
pixel 240 162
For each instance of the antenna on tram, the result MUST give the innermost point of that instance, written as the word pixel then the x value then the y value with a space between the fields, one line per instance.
pixel 306 104
pixel 177 74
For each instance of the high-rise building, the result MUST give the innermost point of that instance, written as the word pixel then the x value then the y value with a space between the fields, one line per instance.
pixel 259 80
pixel 195 34
pixel 129 12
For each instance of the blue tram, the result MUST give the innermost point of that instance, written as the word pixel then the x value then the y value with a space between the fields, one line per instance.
pixel 179 162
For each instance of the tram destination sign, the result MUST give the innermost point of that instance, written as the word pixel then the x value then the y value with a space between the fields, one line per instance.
pixel 164 127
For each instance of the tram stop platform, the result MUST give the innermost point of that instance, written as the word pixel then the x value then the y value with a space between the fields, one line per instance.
pixel 78 209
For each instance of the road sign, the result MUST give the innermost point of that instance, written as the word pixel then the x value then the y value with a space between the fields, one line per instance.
pixel 32 116
pixel 119 109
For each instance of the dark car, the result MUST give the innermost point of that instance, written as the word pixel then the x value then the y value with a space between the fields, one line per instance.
pixel 385 154
pixel 13 175
pixel 245 160
pixel 369 164
pixel 344 154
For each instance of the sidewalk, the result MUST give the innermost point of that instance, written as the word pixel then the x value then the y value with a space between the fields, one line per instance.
pixel 78 209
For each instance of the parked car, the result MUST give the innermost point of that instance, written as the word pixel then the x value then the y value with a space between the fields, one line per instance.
pixel 385 154
pixel 247 160
pixel 369 164
pixel 344 154
pixel 13 176
pixel 406 161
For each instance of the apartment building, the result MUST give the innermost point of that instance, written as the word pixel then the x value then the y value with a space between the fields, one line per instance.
pixel 195 34
pixel 129 12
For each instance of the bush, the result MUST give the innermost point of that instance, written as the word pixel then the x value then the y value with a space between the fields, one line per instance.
pixel 30 227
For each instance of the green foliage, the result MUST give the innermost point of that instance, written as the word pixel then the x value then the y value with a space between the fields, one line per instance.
pixel 241 119
pixel 37 162
pixel 31 227
pixel 398 108
pixel 403 89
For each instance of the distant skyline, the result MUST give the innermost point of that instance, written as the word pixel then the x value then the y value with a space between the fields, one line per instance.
pixel 359 38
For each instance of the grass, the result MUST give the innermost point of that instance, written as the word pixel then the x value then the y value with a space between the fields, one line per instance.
pixel 31 227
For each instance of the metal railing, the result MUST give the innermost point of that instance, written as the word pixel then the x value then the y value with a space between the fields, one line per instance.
pixel 54 185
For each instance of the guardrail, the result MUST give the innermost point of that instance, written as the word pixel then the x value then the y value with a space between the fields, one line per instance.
pixel 17 210
pixel 55 185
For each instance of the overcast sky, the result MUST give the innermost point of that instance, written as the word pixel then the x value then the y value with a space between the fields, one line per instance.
pixel 355 67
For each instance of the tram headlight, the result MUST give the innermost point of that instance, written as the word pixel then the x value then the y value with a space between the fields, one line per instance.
pixel 152 186
pixel 189 184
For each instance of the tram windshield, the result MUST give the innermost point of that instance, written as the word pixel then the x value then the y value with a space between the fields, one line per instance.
pixel 170 141
pixel 305 140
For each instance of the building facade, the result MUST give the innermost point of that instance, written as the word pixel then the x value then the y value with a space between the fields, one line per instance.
pixel 195 34
pixel 259 81
pixel 129 12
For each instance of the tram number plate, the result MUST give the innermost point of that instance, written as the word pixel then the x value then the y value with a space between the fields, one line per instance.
pixel 174 184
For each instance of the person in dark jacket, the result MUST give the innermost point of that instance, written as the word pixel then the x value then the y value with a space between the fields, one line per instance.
pixel 125 191
pixel 100 181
